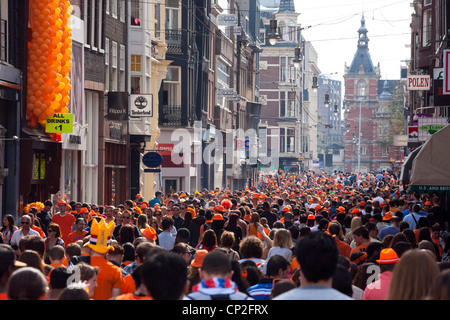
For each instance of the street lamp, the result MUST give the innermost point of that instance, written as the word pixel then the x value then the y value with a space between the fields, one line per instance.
pixel 297 59
pixel 327 100
pixel 273 35
pixel 315 85
pixel 335 111
pixel 359 136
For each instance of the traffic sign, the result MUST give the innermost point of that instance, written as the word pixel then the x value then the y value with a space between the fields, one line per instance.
pixel 59 123
pixel 152 159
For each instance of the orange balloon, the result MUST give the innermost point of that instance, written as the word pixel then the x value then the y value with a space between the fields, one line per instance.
pixel 36 112
pixel 65 110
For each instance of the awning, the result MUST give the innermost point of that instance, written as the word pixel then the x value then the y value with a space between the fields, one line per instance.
pixel 407 165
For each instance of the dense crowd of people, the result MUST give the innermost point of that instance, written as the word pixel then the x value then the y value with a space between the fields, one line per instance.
pixel 292 236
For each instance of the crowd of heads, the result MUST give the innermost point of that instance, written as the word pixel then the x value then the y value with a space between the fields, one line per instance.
pixel 263 242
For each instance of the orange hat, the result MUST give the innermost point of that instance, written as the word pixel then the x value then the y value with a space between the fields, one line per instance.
pixel 83 210
pixel 341 209
pixel 256 196
pixel 388 256
pixel 226 203
pixel 427 203
pixel 318 207
pixel 149 233
pixel 218 217
pixel 198 258
pixel 311 217
pixel 286 209
pixel 355 211
pixel 220 208
pixel 387 216
pixel 192 211
pixel 62 202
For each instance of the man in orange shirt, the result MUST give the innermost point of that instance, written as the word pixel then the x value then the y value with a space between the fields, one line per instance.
pixel 109 278
pixel 79 232
pixel 344 248
pixel 140 292
pixel 362 239
pixel 64 219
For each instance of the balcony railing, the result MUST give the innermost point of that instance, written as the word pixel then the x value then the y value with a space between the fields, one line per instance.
pixel 174 41
pixel 170 116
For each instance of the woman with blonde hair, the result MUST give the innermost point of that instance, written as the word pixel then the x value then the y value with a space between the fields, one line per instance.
pixel 355 223
pixel 413 275
pixel 282 246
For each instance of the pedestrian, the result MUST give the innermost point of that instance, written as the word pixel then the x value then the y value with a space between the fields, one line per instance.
pixel 64 219
pixel 27 283
pixel 317 255
pixel 166 239
pixel 440 290
pixel 361 238
pixel 109 276
pixel 164 275
pixel 57 282
pixel 208 241
pixel 413 275
pixel 54 239
pixel 216 283
pixel 45 215
pixel 25 230
pixel 251 248
pixel 282 245
pixel 227 242
pixel 8 228
pixel 379 289
pixel 277 269
pixel 79 233
pixel 140 292
pixel 8 264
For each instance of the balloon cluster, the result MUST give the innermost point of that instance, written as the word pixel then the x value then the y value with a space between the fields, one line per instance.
pixel 49 60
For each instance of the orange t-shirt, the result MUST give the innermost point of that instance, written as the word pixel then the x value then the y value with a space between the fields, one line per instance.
pixel 129 286
pixel 132 296
pixel 361 247
pixel 65 224
pixel 75 236
pixel 344 248
pixel 109 277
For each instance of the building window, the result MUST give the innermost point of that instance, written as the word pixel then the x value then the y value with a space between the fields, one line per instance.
pixel 426 30
pixel 114 54
pixel 172 14
pixel 122 57
pixel 361 89
pixel 122 10
pixel 136 63
pixel 287 140
pixel 287 104
pixel 385 150
pixel 114 9
pixel 136 85
pixel 135 13
pixel 172 87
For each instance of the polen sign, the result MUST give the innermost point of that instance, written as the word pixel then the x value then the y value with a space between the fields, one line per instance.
pixel 419 82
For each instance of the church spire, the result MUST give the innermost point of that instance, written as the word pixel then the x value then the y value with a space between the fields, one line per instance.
pixel 362 62
pixel 286 6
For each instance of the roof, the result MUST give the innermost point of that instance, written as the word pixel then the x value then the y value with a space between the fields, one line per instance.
pixel 362 62
pixel 286 6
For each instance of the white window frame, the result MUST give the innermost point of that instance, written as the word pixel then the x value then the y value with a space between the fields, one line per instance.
pixel 122 57
pixel 122 5
pixel 114 54
pixel 107 50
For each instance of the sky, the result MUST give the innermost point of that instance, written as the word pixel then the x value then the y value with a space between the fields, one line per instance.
pixel 332 28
